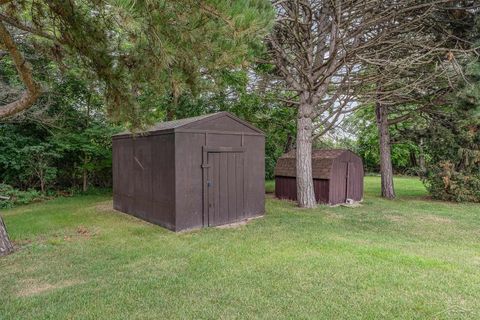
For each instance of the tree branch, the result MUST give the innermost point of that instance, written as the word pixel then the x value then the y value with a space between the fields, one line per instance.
pixel 33 89
pixel 21 26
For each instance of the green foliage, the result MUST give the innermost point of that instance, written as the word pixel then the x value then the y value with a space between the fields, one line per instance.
pixel 18 197
pixel 38 165
pixel 64 136
pixel 454 145
pixel 453 141
pixel 445 182
pixel 232 94
pixel 367 144
pixel 143 50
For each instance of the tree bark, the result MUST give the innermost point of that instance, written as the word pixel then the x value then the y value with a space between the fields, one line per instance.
pixel 288 144
pixel 24 70
pixel 305 192
pixel 85 174
pixel 85 156
pixel 386 169
pixel 421 157
pixel 42 183
pixel 6 246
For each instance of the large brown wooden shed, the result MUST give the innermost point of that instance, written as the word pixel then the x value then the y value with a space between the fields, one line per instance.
pixel 190 173
pixel 337 176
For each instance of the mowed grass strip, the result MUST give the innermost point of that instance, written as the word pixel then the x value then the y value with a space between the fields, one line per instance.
pixel 404 259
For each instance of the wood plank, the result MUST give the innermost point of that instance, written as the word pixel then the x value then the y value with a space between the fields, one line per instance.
pixel 223 189
pixel 210 190
pixel 239 178
pixel 231 189
pixel 217 186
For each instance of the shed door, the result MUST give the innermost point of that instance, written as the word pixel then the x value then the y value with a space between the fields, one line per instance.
pixel 225 187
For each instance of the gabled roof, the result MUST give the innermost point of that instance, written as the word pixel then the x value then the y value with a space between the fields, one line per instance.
pixel 180 122
pixel 322 160
pixel 193 121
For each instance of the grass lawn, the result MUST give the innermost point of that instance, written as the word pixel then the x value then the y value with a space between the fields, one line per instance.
pixel 405 259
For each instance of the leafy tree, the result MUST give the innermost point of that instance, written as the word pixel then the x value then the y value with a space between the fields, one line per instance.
pixel 39 164
pixel 405 151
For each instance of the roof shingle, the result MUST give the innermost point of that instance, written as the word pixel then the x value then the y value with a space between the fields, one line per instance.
pixel 322 160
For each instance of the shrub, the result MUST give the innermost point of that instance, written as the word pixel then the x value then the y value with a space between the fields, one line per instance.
pixel 444 182
pixel 18 197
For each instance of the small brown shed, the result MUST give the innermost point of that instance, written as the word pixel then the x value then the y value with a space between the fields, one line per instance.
pixel 337 176
pixel 190 173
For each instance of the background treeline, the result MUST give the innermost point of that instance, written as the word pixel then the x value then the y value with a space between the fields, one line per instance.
pixel 63 144
pixel 103 73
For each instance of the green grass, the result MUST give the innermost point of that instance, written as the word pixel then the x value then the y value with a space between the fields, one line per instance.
pixel 406 259
pixel 270 186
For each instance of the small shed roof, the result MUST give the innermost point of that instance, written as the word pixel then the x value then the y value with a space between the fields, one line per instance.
pixel 322 160
pixel 188 122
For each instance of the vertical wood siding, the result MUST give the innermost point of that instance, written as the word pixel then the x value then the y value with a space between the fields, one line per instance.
pixel 162 177
pixel 344 179
pixel 286 188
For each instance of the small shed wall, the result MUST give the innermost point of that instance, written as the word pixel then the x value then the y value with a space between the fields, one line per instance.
pixel 163 180
pixel 286 188
pixel 337 175
pixel 348 164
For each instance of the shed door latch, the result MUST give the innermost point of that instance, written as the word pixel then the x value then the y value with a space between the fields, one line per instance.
pixel 209 183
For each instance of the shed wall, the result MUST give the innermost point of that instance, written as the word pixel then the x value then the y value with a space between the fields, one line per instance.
pixel 122 167
pixel 286 188
pixel 338 181
pixel 159 177
pixel 189 174
pixel 189 180
pixel 163 180
pixel 143 178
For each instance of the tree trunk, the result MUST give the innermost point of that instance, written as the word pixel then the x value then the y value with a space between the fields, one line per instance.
pixel 305 192
pixel 42 181
pixel 85 156
pixel 421 157
pixel 85 174
pixel 5 244
pixel 386 169
pixel 288 145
